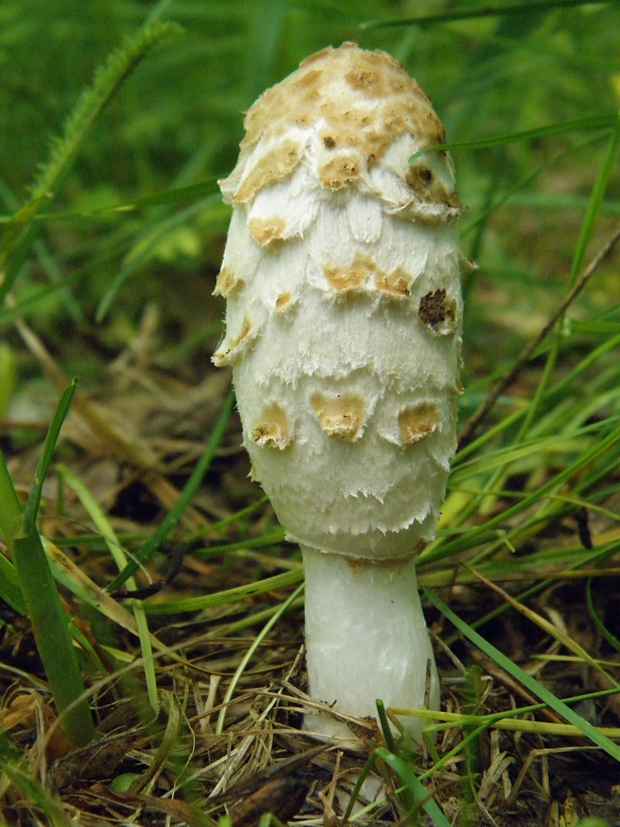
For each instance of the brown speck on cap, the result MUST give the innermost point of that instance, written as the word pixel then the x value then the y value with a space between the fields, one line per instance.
pixel 340 416
pixel 417 422
pixel 317 56
pixel 366 80
pixel 309 79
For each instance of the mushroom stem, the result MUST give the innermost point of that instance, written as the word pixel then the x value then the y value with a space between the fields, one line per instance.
pixel 366 638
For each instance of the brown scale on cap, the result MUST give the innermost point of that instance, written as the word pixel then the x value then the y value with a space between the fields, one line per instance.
pixel 417 422
pixel 435 310
pixel 283 301
pixel 396 284
pixel 275 164
pixel 367 81
pixel 340 171
pixel 227 281
pixel 428 187
pixel 273 431
pixel 269 229
pixel 341 416
pixel 233 349
pixel 364 101
pixel 363 273
pixel 343 279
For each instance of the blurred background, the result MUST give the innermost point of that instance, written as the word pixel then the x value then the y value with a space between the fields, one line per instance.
pixel 177 121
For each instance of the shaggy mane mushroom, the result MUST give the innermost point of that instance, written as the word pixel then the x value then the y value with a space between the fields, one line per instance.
pixel 343 321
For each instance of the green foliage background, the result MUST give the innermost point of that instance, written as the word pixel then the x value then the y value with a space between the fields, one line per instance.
pixel 178 120
pixel 137 222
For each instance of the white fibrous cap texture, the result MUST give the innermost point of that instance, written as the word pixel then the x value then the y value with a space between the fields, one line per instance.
pixel 343 324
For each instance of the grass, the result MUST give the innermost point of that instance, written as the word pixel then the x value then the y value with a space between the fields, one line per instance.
pixel 176 605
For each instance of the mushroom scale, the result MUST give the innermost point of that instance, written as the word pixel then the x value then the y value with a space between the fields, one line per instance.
pixel 342 283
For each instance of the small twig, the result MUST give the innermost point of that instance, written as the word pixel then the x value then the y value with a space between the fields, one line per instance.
pixel 468 432
pixel 177 552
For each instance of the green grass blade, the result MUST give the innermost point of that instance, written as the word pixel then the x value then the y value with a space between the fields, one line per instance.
pixel 15 225
pixel 145 247
pixel 10 508
pixel 172 196
pixel 415 786
pixel 266 30
pixel 609 636
pixel 7 376
pixel 10 590
pixel 102 524
pixel 512 193
pixel 49 621
pixel 53 638
pixel 15 243
pixel 359 783
pixel 222 598
pixel 119 556
pixel 264 541
pixel 595 202
pixel 601 122
pixel 439 550
pixel 585 235
pixel 10 524
pixel 483 11
pixel 536 688
pixel 384 723
pixel 408 799
pixel 47 261
pixel 36 490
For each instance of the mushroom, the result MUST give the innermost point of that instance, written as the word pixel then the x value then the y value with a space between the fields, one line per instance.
pixel 343 320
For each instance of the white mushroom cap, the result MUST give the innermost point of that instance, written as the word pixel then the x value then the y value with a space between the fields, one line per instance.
pixel 340 114
pixel 341 275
